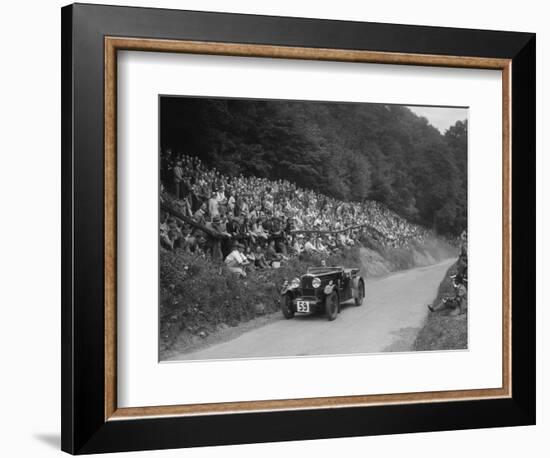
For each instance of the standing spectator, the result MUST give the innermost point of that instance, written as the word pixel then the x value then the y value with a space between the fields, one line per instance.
pixel 231 204
pixel 214 243
pixel 222 200
pixel 213 210
pixel 178 179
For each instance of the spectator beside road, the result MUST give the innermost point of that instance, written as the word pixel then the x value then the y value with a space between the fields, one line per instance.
pixel 458 302
pixel 236 261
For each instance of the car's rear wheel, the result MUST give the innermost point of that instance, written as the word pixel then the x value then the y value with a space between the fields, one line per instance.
pixel 332 305
pixel 361 293
pixel 288 311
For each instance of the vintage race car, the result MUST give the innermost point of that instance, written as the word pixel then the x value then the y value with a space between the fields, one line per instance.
pixel 322 289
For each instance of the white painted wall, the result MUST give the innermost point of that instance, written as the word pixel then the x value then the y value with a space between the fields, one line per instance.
pixel 30 229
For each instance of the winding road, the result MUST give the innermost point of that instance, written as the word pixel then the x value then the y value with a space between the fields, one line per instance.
pixel 389 319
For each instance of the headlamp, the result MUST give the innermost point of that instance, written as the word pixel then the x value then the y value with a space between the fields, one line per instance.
pixel 295 283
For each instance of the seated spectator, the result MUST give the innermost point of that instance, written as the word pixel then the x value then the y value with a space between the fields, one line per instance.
pixel 272 255
pixel 320 247
pixel 258 230
pixel 236 261
pixel 297 246
pixel 457 302
pixel 232 226
pixel 260 261
pixel 174 232
pixel 191 242
pixel 165 240
pixel 309 247
pixel 250 255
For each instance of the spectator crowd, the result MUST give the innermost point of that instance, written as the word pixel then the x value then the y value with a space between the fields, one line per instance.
pixel 260 223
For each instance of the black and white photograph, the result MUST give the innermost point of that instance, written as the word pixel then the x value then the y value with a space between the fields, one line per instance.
pixel 310 228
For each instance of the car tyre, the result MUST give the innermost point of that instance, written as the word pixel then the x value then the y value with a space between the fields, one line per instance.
pixel 361 296
pixel 332 306
pixel 286 307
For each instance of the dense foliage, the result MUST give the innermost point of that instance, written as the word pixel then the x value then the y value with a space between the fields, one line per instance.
pixel 350 151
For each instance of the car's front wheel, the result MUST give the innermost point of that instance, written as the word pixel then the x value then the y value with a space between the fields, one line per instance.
pixel 288 311
pixel 332 305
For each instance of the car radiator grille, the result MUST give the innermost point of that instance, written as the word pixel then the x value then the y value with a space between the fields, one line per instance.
pixel 308 292
pixel 307 289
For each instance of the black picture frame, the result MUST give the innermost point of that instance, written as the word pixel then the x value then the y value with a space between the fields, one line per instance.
pixel 84 428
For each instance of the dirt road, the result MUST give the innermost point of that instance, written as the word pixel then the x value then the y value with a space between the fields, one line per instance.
pixel 389 319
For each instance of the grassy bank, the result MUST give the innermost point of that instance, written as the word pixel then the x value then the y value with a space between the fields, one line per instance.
pixel 381 260
pixel 441 331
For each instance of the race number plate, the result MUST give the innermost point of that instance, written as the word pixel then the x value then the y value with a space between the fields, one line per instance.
pixel 302 306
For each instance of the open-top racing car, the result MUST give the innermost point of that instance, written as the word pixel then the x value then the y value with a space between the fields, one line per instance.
pixel 322 289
